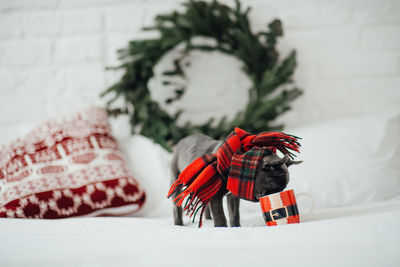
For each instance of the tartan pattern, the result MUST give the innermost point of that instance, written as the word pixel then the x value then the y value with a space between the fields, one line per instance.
pixel 243 172
pixel 233 167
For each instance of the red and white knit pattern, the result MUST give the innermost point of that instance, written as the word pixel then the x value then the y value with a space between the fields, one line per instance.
pixel 71 166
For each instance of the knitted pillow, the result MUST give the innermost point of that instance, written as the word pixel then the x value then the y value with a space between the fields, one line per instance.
pixel 71 166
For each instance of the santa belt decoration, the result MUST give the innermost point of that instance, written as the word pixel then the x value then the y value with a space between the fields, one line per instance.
pixel 280 213
pixel 280 208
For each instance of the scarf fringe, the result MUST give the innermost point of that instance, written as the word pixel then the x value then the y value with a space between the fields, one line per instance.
pixel 282 141
pixel 193 202
pixel 195 199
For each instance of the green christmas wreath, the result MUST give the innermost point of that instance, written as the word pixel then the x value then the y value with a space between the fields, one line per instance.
pixel 230 28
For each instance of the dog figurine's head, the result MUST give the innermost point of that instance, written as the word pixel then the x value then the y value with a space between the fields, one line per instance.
pixel 272 174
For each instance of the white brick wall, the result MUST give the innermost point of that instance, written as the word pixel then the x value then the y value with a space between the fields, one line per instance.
pixel 53 55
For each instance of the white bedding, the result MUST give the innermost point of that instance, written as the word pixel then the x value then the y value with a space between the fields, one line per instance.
pixel 366 235
pixel 356 221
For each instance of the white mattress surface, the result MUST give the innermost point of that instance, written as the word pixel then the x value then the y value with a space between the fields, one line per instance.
pixel 366 235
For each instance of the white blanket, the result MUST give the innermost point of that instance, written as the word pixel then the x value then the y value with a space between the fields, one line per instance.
pixel 366 235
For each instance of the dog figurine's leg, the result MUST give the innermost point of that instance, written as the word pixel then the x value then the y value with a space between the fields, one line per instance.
pixel 233 209
pixel 207 213
pixel 177 210
pixel 217 211
pixel 178 216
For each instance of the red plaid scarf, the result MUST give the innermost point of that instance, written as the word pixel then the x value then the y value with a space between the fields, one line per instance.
pixel 234 166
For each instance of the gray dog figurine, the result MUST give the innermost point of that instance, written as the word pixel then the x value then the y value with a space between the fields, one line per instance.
pixel 271 176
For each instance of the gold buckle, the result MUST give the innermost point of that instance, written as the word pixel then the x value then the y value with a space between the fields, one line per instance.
pixel 276 214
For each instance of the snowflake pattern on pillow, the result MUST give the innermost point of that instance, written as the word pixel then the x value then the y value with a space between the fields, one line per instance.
pixel 70 166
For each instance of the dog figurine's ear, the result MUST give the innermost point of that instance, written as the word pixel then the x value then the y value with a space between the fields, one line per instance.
pixel 276 163
pixel 264 165
pixel 291 162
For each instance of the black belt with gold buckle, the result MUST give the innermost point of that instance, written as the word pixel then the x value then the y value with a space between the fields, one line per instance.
pixel 280 213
